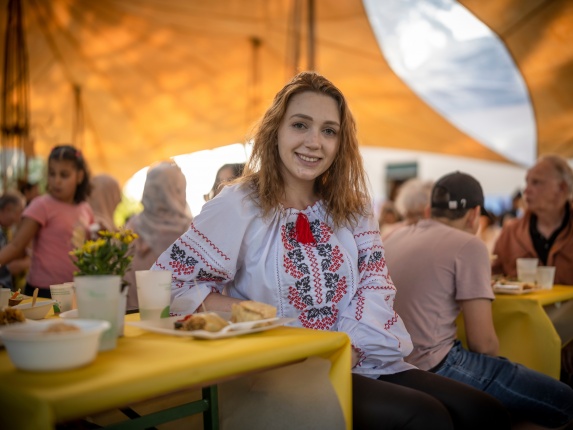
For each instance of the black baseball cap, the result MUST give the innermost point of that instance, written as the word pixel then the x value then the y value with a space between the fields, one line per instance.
pixel 462 191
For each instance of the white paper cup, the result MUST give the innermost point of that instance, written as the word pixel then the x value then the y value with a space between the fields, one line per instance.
pixel 98 298
pixel 545 277
pixel 153 293
pixel 63 294
pixel 5 294
pixel 527 269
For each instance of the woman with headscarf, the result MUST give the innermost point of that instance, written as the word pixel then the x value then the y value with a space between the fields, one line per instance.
pixel 104 198
pixel 164 218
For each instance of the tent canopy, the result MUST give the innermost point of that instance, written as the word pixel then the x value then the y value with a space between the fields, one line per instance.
pixel 157 78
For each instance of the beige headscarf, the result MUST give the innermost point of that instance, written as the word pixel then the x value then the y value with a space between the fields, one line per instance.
pixel 164 218
pixel 104 198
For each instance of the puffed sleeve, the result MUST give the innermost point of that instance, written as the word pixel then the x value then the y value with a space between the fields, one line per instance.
pixel 376 330
pixel 205 258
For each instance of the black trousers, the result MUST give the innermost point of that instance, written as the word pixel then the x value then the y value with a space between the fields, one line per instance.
pixel 42 292
pixel 416 399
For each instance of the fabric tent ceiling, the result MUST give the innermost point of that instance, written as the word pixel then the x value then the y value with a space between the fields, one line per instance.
pixel 165 77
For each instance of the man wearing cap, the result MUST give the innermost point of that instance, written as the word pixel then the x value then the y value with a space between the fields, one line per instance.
pixel 440 268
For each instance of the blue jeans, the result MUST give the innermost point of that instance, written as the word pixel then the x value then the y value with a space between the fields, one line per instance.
pixel 528 395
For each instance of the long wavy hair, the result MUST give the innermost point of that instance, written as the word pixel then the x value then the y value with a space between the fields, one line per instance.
pixel 342 187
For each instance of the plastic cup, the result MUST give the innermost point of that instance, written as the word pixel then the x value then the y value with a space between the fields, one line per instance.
pixel 153 293
pixel 98 298
pixel 5 294
pixel 545 277
pixel 527 270
pixel 63 294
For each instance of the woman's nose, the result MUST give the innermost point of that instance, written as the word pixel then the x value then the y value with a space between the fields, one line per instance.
pixel 313 139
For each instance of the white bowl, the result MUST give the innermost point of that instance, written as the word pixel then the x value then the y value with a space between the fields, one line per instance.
pixel 69 314
pixel 38 312
pixel 31 348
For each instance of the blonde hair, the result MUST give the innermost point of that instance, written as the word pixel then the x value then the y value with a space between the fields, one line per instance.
pixel 342 187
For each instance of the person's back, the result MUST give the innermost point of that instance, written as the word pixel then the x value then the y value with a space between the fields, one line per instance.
pixel 440 268
pixel 422 260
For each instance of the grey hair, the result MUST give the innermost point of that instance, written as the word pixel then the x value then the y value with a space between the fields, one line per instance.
pixel 563 170
pixel 413 197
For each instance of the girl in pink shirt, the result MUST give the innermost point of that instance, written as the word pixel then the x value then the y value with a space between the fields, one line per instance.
pixel 56 222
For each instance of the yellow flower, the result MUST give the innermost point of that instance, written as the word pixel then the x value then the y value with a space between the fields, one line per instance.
pixel 109 254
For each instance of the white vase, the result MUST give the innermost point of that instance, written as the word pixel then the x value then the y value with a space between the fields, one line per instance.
pixel 98 297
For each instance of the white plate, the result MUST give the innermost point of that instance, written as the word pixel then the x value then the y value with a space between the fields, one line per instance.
pixel 69 314
pixel 516 288
pixel 166 326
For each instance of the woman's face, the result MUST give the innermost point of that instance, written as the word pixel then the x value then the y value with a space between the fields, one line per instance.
pixel 308 137
pixel 63 179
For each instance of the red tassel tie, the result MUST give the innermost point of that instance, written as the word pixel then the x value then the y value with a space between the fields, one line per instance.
pixel 302 230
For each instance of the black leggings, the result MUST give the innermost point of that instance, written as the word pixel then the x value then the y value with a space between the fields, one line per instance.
pixel 416 399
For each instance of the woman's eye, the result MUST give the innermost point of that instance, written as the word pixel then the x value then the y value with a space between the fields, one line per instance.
pixel 299 125
pixel 330 131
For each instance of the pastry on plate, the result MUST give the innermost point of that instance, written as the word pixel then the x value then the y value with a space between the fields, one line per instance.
pixel 207 321
pixel 250 310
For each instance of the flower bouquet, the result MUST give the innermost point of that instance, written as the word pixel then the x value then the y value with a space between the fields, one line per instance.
pixel 109 254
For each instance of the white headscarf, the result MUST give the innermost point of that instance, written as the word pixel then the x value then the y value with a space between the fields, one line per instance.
pixel 165 215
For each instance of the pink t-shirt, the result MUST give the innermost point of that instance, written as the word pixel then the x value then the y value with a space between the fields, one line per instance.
pixel 434 266
pixel 59 222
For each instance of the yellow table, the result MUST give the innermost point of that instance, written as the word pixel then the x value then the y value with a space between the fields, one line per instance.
pixel 526 334
pixel 146 365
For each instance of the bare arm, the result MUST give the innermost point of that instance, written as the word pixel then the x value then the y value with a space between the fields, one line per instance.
pixel 219 302
pixel 17 247
pixel 480 332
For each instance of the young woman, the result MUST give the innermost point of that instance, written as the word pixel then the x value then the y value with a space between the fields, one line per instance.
pixel 296 231
pixel 54 221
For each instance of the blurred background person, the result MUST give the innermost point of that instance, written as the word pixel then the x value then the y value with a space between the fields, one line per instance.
pixel 12 204
pixel 546 229
pixel 515 211
pixel 488 230
pixel 29 190
pixel 389 216
pixel 412 198
pixel 104 198
pixel 164 218
pixel 225 174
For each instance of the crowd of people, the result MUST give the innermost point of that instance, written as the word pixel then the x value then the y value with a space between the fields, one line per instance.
pixel 294 227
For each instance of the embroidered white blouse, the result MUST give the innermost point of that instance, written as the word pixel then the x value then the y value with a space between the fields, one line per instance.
pixel 338 283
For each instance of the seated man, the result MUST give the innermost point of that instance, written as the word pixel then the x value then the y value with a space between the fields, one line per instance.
pixel 546 229
pixel 440 267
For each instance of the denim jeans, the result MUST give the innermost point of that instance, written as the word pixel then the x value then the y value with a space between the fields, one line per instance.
pixel 528 395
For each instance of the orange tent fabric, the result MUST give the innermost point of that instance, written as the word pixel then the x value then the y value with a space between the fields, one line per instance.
pixel 163 78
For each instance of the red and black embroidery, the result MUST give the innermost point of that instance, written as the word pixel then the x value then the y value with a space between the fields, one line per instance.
pixel 181 263
pixel 203 275
pixel 318 288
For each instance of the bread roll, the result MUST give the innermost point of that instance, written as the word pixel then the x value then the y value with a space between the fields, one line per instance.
pixel 249 310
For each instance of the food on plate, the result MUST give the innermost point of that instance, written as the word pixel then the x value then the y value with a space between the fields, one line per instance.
pixel 208 321
pixel 15 299
pixel 250 310
pixel 10 316
pixel 61 327
pixel 512 283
